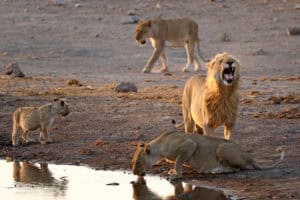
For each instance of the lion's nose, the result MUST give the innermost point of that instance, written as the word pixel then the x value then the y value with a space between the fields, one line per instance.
pixel 229 63
pixel 143 42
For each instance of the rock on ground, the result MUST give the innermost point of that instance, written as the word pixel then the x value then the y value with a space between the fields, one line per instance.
pixel 14 70
pixel 126 87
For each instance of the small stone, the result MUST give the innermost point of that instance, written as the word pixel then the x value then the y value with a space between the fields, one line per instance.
pixel 293 31
pixel 58 2
pixel 225 37
pixel 297 6
pixel 126 87
pixel 131 12
pixel 259 52
pixel 113 184
pixel 97 35
pixel 14 70
pixel 74 82
pixel 78 5
pixel 131 19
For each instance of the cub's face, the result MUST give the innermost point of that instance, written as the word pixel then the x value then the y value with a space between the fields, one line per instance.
pixel 226 69
pixel 143 31
pixel 140 160
pixel 61 107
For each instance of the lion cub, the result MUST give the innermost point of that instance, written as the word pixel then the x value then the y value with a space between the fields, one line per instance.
pixel 31 118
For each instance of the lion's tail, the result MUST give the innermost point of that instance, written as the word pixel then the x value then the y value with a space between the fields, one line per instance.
pixel 258 166
pixel 177 125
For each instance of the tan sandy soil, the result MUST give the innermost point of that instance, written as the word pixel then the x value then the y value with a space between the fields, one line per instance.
pixel 56 45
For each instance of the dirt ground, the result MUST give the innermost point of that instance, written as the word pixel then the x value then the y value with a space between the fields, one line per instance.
pixel 85 40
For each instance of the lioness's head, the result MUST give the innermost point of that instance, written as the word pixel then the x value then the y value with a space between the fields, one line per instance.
pixel 143 31
pixel 225 69
pixel 140 160
pixel 61 107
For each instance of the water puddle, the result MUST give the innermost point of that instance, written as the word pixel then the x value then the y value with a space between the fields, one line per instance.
pixel 25 180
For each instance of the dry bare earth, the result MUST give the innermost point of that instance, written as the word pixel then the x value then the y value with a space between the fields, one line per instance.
pixel 53 44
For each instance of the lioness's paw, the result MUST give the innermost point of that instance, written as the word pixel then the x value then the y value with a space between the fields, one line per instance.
pixel 197 69
pixel 163 70
pixel 174 177
pixel 146 70
pixel 185 70
pixel 43 142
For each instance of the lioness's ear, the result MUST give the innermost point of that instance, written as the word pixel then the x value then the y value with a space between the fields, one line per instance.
pixel 147 149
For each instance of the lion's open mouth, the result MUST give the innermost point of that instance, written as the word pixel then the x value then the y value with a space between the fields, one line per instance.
pixel 228 73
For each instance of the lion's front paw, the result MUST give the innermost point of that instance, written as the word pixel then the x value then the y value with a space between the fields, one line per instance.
pixel 15 144
pixel 173 175
pixel 163 69
pixel 43 142
pixel 146 70
pixel 185 69
pixel 197 69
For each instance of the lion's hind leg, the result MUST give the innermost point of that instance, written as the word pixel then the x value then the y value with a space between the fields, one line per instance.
pixel 230 155
pixel 188 121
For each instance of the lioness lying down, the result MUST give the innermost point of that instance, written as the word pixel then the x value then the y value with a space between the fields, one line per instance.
pixel 31 118
pixel 203 153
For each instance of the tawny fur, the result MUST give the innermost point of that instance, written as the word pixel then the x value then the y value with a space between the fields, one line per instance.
pixel 208 102
pixel 180 32
pixel 26 119
pixel 203 153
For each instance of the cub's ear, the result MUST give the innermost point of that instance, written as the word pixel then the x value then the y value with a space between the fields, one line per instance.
pixel 62 103
pixel 147 149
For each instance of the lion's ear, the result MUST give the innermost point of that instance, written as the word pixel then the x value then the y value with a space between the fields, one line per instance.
pixel 147 149
pixel 148 23
pixel 216 60
pixel 139 22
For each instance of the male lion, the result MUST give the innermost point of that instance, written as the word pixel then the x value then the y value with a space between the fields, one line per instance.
pixel 205 154
pixel 31 118
pixel 182 32
pixel 209 102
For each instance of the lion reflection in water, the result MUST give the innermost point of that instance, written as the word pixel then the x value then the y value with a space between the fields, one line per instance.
pixel 142 192
pixel 29 173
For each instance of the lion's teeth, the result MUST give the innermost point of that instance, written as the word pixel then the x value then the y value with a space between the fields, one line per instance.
pixel 228 76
